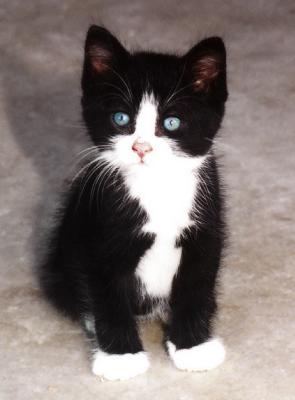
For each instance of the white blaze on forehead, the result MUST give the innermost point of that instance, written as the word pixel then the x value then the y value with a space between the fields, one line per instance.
pixel 146 118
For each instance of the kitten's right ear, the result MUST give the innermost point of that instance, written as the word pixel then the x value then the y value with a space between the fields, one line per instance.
pixel 102 50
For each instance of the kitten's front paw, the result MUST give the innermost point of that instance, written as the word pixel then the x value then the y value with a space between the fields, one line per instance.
pixel 119 366
pixel 203 357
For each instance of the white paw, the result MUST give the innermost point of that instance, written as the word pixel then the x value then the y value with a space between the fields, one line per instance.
pixel 205 356
pixel 119 366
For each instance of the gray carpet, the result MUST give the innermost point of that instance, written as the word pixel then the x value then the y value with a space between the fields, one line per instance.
pixel 45 356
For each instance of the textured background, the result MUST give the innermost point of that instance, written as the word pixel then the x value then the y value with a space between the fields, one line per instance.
pixel 45 356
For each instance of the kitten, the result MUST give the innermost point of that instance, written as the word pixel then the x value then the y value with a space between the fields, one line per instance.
pixel 141 231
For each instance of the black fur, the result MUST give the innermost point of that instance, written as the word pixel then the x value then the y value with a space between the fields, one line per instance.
pixel 98 240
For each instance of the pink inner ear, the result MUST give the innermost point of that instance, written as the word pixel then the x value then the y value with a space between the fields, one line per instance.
pixel 206 69
pixel 100 58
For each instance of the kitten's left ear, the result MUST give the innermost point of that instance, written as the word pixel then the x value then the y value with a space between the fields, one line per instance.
pixel 206 65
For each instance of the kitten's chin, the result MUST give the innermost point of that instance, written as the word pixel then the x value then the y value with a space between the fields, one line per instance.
pixel 147 163
pixel 140 163
pixel 137 166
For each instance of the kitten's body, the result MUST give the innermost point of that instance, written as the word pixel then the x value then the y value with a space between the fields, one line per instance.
pixel 142 233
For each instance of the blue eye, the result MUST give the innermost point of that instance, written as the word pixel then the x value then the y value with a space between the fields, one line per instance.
pixel 171 123
pixel 121 118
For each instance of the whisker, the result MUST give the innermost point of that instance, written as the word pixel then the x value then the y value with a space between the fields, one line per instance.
pixel 80 172
pixel 119 89
pixel 124 82
pixel 107 176
pixel 178 91
pixel 89 175
pixel 104 98
pixel 88 148
pixel 175 87
pixel 100 177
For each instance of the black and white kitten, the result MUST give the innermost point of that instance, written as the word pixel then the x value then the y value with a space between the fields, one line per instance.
pixel 141 231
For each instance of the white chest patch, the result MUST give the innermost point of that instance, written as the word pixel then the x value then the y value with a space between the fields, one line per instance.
pixel 158 266
pixel 167 197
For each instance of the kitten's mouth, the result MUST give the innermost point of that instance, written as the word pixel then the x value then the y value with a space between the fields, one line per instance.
pixel 139 163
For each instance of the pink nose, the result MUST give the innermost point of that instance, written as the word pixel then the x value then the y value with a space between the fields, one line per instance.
pixel 141 148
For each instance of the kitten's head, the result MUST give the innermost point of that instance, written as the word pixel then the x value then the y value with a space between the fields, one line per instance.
pixel 152 109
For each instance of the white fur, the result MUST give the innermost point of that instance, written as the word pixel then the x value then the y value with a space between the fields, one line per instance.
pixel 160 311
pixel 203 357
pixel 165 186
pixel 146 119
pixel 89 323
pixel 119 366
pixel 158 266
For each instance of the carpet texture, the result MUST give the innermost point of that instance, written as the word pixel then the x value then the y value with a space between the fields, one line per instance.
pixel 42 354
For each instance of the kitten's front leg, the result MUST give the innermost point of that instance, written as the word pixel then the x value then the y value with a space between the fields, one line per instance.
pixel 189 342
pixel 120 354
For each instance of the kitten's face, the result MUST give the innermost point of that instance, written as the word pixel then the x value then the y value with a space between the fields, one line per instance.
pixel 151 110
